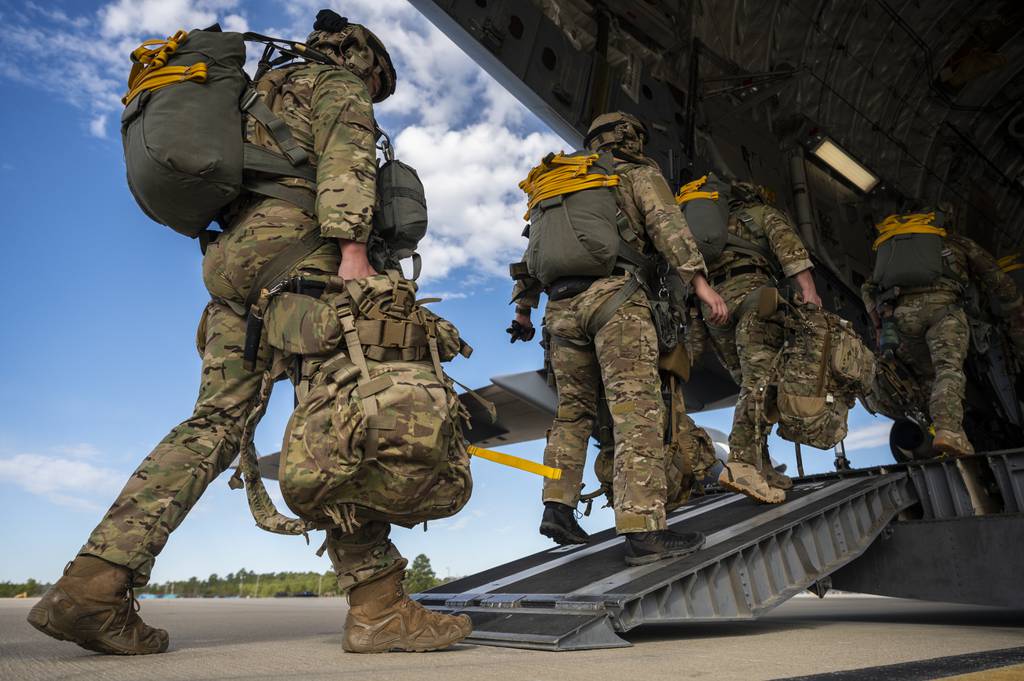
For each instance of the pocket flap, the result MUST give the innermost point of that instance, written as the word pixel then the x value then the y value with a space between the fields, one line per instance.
pixel 302 325
pixel 801 406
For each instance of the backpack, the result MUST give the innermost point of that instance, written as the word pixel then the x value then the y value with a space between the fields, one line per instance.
pixel 705 205
pixel 400 218
pixel 824 367
pixel 573 214
pixel 381 424
pixel 909 251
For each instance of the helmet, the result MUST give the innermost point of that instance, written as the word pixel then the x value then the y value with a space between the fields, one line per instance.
pixel 618 129
pixel 343 42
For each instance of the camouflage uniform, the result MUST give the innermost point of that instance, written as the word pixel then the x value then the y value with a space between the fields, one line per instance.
pixel 747 344
pixel 933 330
pixel 623 356
pixel 329 113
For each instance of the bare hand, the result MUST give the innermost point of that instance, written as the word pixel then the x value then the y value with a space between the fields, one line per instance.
pixel 354 262
pixel 808 291
pixel 718 310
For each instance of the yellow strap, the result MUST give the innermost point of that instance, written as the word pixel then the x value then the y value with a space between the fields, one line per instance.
pixel 691 191
pixel 914 223
pixel 1009 263
pixel 559 175
pixel 168 75
pixel 516 462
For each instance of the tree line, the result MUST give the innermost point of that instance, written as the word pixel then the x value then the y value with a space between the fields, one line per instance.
pixel 249 584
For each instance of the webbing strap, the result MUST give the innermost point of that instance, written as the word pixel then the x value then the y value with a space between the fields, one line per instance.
pixel 391 333
pixel 253 104
pixel 297 196
pixel 281 264
pixel 691 190
pixel 741 245
pixel 898 225
pixel 604 313
pixel 516 462
pixel 262 160
pixel 355 355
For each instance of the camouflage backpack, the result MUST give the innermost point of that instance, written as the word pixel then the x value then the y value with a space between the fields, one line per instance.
pixel 824 367
pixel 380 426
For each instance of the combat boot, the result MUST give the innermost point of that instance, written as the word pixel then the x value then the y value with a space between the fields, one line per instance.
pixel 746 479
pixel 952 443
pixel 94 606
pixel 648 547
pixel 381 619
pixel 559 524
pixel 777 479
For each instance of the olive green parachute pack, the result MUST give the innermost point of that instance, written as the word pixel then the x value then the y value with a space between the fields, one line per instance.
pixel 185 155
pixel 377 432
pixel 910 251
pixel 820 371
pixel 574 219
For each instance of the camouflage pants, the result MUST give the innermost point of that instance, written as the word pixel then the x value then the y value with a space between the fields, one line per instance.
pixel 747 346
pixel 363 555
pixel 934 338
pixel 623 355
pixel 172 478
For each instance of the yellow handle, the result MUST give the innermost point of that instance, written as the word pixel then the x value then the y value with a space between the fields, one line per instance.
pixel 516 462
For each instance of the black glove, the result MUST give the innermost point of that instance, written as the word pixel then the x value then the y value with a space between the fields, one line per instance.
pixel 520 332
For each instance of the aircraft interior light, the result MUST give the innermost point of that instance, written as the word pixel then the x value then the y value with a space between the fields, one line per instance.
pixel 840 161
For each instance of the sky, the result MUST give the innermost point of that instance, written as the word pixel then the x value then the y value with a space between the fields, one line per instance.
pixel 98 331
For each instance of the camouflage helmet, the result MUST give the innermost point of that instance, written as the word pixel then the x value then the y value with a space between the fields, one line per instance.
pixel 617 129
pixel 334 35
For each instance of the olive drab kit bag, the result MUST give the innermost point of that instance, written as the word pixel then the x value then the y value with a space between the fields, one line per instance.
pixel 705 205
pixel 821 370
pixel 185 153
pixel 378 425
pixel 910 251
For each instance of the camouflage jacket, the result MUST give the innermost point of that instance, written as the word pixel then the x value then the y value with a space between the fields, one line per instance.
pixel 654 221
pixel 773 234
pixel 330 115
pixel 966 262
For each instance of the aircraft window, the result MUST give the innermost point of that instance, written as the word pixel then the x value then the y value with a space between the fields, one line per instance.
pixel 548 59
pixel 515 27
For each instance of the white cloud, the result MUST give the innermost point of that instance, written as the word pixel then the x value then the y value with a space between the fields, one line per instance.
pixel 65 482
pixel 98 126
pixel 875 435
pixel 79 450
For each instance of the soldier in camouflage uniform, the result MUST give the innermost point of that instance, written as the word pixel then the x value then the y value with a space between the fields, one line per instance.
pixel 622 356
pixel 934 335
pixel 328 110
pixel 748 344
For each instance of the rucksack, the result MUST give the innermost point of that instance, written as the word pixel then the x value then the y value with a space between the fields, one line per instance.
pixel 909 251
pixel 573 214
pixel 823 367
pixel 400 217
pixel 380 426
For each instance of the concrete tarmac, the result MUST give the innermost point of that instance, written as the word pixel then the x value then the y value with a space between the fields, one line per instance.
pixel 300 639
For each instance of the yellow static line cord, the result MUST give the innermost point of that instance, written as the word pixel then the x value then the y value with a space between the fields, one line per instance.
pixel 691 190
pixel 516 462
pixel 558 174
pixel 897 225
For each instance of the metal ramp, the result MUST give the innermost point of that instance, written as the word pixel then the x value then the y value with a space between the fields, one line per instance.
pixel 756 557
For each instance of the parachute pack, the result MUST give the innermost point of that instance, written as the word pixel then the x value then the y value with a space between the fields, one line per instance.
pixel 909 251
pixel 823 367
pixel 185 155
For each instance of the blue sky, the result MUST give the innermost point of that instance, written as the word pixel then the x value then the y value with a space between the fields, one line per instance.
pixel 98 332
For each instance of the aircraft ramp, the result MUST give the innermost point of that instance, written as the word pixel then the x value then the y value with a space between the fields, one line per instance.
pixel 755 558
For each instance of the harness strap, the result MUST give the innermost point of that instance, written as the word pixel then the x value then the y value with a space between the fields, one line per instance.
pixel 604 313
pixel 253 104
pixel 296 196
pixel 283 263
pixel 365 388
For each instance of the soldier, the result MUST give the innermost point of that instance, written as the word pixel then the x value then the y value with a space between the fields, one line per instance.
pixel 915 300
pixel 762 243
pixel 328 111
pixel 602 334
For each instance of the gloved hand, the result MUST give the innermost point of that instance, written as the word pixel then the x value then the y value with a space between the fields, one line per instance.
pixel 521 331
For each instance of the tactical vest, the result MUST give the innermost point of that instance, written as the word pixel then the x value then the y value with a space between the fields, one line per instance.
pixel 909 252
pixel 823 367
pixel 574 219
pixel 380 428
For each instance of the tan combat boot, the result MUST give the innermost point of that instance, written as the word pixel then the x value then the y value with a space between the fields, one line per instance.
pixel 777 479
pixel 952 443
pixel 746 479
pixel 94 606
pixel 381 618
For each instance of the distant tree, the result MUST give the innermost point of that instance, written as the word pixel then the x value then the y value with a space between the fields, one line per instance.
pixel 420 575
